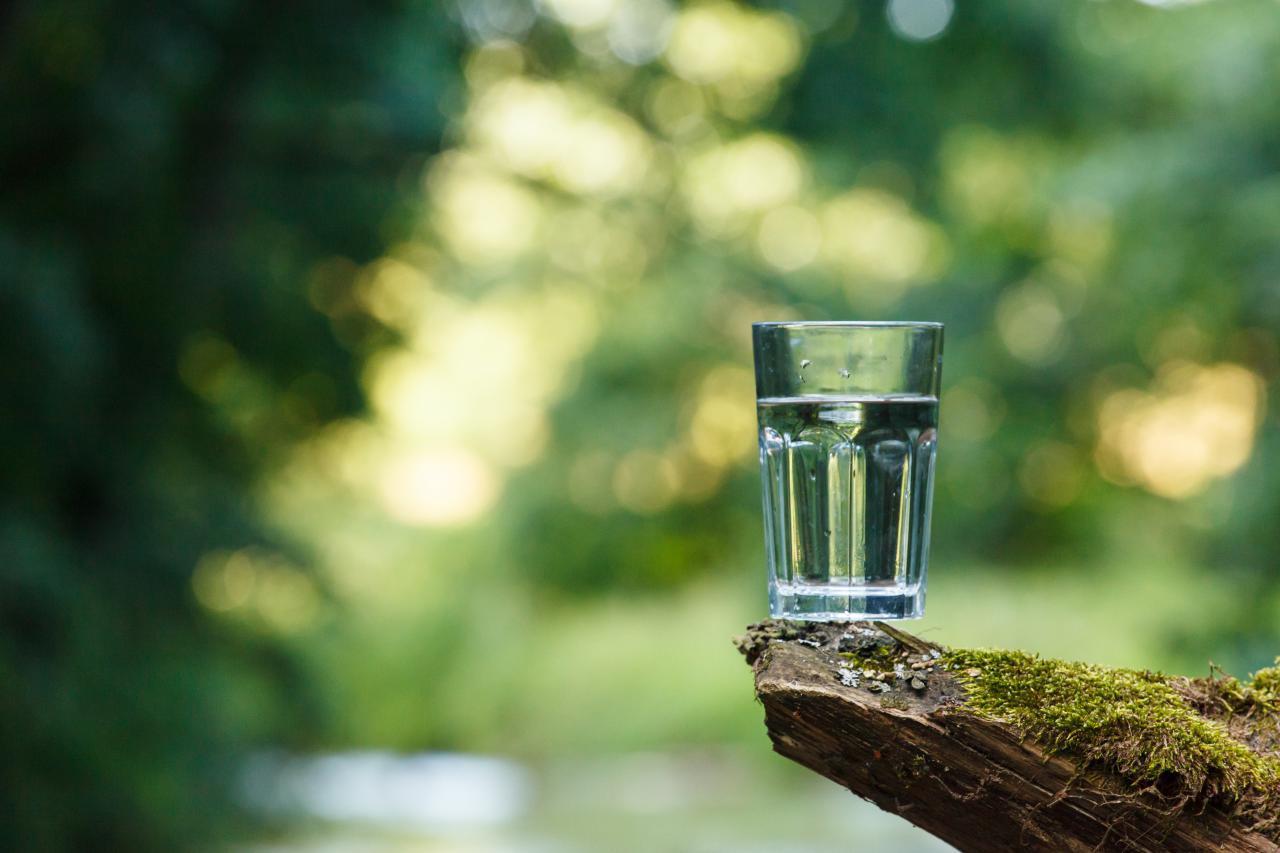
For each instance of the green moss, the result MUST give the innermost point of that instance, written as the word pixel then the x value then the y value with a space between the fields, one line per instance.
pixel 1257 699
pixel 880 657
pixel 1131 722
pixel 896 702
pixel 1266 683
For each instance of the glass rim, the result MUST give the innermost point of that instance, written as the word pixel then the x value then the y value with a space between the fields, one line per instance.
pixel 900 324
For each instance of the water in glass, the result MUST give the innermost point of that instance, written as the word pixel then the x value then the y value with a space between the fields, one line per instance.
pixel 847 493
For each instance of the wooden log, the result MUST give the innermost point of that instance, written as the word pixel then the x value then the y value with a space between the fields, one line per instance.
pixel 907 742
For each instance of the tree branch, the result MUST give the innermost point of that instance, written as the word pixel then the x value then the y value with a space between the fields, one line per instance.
pixel 888 716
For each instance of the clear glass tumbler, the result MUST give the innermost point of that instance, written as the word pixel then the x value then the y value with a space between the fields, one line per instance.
pixel 848 415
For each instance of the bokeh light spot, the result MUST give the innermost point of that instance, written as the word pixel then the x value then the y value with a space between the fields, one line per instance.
pixel 747 176
pixel 1031 323
pixel 986 177
pixel 677 107
pixel 919 20
pixel 547 131
pixel 255 581
pixel 224 581
pixel 875 237
pixel 581 14
pixel 485 217
pixel 1196 424
pixel 285 598
pixel 789 238
pixel 392 291
pixel 723 43
pixel 438 488
pixel 639 31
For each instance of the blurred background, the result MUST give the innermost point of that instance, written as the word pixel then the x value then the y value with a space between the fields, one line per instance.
pixel 380 469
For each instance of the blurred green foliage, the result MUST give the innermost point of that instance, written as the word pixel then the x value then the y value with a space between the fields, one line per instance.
pixel 381 376
pixel 171 174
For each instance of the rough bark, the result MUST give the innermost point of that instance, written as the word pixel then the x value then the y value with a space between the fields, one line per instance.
pixel 971 781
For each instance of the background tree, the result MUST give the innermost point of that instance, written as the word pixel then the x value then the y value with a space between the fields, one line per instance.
pixel 173 178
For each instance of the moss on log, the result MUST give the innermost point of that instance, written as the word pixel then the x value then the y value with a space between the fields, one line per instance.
pixel 994 750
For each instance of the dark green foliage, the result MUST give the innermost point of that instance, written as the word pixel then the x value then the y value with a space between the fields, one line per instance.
pixel 172 174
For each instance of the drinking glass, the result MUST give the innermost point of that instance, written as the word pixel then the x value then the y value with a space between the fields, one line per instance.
pixel 848 415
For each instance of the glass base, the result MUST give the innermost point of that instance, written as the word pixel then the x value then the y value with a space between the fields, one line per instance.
pixel 843 603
